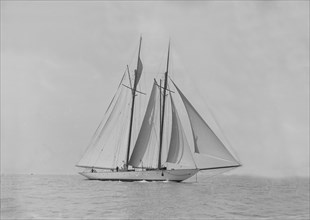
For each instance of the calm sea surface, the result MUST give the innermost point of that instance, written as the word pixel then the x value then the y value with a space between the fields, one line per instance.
pixel 221 197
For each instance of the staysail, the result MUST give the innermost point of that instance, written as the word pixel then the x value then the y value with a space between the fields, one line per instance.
pixel 179 151
pixel 205 140
pixel 143 140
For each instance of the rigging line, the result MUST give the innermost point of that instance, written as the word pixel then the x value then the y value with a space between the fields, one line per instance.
pixel 161 64
pixel 222 167
pixel 215 157
pixel 116 91
pixel 221 171
pixel 172 61
pixel 130 83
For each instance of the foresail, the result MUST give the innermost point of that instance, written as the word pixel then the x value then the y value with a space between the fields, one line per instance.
pixel 144 136
pixel 179 151
pixel 105 149
pixel 205 140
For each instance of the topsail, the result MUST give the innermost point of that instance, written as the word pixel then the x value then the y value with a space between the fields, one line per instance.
pixel 138 72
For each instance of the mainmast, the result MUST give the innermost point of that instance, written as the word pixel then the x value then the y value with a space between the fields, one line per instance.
pixel 163 111
pixel 137 77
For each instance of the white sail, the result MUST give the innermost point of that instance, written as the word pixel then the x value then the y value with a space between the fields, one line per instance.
pixel 205 140
pixel 179 151
pixel 145 134
pixel 125 147
pixel 106 147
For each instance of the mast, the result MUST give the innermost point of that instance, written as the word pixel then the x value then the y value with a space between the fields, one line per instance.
pixel 163 111
pixel 132 107
pixel 160 102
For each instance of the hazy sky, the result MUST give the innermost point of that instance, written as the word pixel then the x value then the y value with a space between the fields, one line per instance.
pixel 248 61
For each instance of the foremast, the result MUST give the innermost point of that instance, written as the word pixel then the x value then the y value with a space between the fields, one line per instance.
pixel 137 77
pixel 163 111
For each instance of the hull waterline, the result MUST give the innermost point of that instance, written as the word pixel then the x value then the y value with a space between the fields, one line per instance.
pixel 149 175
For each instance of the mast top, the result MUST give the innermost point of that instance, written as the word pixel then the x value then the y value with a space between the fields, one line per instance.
pixel 140 46
pixel 168 57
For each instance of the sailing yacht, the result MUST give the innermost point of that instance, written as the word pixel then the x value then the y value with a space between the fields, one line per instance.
pixel 155 148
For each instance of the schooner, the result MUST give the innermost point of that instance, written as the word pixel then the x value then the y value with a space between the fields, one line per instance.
pixel 116 154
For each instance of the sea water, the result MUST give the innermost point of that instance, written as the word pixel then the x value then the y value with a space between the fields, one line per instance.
pixel 221 197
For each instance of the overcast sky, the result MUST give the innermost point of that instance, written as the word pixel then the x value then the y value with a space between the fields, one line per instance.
pixel 248 61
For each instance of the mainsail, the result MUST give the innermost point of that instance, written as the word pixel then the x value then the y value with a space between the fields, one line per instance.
pixel 205 140
pixel 143 140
